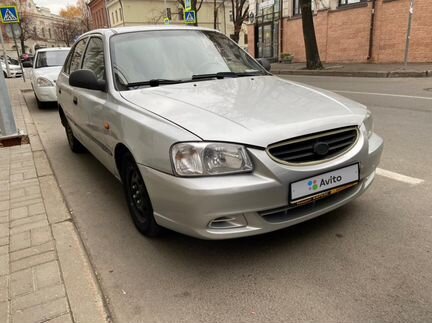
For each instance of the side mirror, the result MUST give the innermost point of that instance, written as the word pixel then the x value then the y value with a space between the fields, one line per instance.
pixel 265 63
pixel 86 79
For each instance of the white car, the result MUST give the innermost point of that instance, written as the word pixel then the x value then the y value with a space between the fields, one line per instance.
pixel 46 68
pixel 14 70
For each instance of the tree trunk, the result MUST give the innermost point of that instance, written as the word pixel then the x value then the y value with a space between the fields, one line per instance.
pixel 215 14
pixel 194 7
pixel 22 43
pixel 236 35
pixel 313 61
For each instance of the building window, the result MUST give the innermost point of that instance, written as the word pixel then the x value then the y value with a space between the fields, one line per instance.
pixel 49 33
pixel 116 15
pixel 35 31
pixel 121 14
pixel 297 7
pixel 345 2
pixel 245 40
pixel 112 18
pixel 180 14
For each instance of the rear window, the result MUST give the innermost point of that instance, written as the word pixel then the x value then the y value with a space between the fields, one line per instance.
pixel 51 58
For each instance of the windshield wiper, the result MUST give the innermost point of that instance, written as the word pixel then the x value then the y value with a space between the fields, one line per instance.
pixel 154 82
pixel 222 75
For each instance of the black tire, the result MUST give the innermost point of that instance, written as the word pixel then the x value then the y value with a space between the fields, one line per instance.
pixel 5 75
pixel 137 198
pixel 74 143
pixel 40 104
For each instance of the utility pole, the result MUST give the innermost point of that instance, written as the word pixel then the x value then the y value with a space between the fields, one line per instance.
pixel 408 37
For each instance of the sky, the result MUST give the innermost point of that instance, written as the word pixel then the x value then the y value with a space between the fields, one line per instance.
pixel 54 5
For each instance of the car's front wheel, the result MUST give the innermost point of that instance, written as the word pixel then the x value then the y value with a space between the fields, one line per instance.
pixel 137 198
pixel 74 143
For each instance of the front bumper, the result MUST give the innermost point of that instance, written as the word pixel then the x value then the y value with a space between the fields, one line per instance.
pixel 15 73
pixel 46 94
pixel 188 205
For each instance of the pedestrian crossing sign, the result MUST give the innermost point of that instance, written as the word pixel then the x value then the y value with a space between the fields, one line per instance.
pixel 9 15
pixel 190 17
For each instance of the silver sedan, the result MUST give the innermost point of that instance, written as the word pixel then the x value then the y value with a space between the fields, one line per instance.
pixel 204 139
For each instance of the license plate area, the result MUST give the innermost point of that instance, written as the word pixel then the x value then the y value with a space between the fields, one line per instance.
pixel 322 185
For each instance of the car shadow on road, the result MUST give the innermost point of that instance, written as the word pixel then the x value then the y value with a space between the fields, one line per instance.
pixel 299 238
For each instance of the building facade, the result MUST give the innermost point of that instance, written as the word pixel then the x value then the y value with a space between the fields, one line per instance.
pixel 138 12
pixel 357 31
pixel 40 27
pixel 98 13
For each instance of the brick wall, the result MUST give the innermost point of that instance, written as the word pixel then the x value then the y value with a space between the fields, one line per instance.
pixel 391 28
pixel 348 35
pixel 343 34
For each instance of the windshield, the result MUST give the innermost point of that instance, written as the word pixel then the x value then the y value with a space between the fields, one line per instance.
pixel 51 58
pixel 139 57
pixel 11 61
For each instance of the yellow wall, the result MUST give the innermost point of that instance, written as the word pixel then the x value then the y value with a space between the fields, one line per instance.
pixel 138 12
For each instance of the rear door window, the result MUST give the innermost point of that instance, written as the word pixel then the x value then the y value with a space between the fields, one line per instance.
pixel 75 63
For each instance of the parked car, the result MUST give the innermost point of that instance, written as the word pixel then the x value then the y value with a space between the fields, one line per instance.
pixel 47 65
pixel 204 140
pixel 27 60
pixel 14 67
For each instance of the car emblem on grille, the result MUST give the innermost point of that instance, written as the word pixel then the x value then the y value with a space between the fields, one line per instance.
pixel 321 148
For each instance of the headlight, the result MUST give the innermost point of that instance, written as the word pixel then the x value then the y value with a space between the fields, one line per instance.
pixel 43 82
pixel 209 158
pixel 368 122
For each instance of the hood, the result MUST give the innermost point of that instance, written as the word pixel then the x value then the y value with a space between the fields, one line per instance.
pixel 11 66
pixel 251 110
pixel 51 73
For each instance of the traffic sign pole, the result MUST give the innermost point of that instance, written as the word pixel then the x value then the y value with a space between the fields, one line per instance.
pixel 7 121
pixel 4 53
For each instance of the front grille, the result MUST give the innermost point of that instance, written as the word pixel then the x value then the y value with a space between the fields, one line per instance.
pixel 304 149
pixel 290 213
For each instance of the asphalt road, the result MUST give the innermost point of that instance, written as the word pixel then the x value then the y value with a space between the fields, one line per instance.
pixel 370 261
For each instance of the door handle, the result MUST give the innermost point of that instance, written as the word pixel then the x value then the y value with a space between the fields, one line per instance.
pixel 75 100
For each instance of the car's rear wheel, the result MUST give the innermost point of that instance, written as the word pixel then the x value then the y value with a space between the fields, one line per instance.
pixel 40 104
pixel 137 198
pixel 74 143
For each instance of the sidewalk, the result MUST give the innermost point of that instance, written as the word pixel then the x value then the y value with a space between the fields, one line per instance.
pixel 356 70
pixel 45 274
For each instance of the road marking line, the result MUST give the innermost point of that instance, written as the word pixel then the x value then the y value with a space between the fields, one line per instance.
pixel 399 177
pixel 385 94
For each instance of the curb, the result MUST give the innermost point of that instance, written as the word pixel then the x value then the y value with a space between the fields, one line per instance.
pixel 372 74
pixel 85 296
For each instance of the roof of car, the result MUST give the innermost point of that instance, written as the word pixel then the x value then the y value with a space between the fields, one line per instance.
pixel 52 49
pixel 121 30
